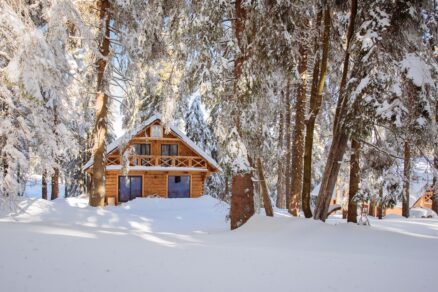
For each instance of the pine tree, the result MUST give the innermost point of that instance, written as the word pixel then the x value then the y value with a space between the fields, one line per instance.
pixel 199 132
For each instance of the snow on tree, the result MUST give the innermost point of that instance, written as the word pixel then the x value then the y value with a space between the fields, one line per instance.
pixel 36 86
pixel 198 131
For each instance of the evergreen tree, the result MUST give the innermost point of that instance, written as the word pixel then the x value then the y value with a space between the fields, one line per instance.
pixel 198 131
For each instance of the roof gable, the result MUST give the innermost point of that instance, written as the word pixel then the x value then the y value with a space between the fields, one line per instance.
pixel 128 136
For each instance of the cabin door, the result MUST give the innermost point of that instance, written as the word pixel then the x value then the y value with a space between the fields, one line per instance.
pixel 129 187
pixel 178 186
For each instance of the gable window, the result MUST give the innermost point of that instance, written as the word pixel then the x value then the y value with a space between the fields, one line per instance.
pixel 142 149
pixel 156 131
pixel 169 149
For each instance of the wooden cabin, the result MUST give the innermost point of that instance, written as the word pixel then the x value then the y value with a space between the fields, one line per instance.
pixel 424 201
pixel 164 163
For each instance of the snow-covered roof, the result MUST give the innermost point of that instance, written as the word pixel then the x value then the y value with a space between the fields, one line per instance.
pixel 130 134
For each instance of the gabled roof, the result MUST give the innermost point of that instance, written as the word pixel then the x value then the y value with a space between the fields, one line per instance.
pixel 132 133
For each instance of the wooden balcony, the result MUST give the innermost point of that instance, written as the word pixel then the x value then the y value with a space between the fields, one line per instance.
pixel 166 161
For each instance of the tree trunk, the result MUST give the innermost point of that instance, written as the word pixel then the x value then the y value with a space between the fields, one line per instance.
pixel 66 186
pixel 435 171
pixel 331 170
pixel 315 106
pixel 44 185
pixel 406 179
pixel 281 195
pixel 435 185
pixel 350 33
pixel 264 189
pixel 242 200
pixel 55 185
pixel 242 192
pixel 372 208
pixel 97 197
pixel 298 134
pixel 354 181
pixel 380 204
pixel 288 141
pixel 340 137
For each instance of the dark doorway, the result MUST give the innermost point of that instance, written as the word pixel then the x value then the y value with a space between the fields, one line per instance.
pixel 178 187
pixel 129 187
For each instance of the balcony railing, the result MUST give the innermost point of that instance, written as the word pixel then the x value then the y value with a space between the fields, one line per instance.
pixel 166 161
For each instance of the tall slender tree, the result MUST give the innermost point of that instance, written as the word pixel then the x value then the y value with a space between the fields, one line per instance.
pixel 318 82
pixel 101 124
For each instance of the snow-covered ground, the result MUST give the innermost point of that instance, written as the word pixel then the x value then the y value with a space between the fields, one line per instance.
pixel 185 245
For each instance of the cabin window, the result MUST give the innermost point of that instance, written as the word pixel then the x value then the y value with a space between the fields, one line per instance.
pixel 142 149
pixel 156 131
pixel 169 149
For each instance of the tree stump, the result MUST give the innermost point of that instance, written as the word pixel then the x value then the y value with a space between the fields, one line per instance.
pixel 242 200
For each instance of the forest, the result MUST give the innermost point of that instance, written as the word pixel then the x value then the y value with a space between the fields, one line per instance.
pixel 303 93
pixel 306 97
pixel 320 114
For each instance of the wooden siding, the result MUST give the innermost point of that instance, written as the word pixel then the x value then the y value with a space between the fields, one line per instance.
pixel 155 182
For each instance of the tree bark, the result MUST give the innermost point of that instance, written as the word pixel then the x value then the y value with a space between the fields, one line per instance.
pixel 288 141
pixel 242 197
pixel 319 76
pixel 406 179
pixel 97 197
pixel 264 189
pixel 242 200
pixel 340 137
pixel 435 162
pixel 350 33
pixel 55 185
pixel 435 185
pixel 298 134
pixel 372 208
pixel 354 181
pixel 380 204
pixel 44 185
pixel 281 195
pixel 55 177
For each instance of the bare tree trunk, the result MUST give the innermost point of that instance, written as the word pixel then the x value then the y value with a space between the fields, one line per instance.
pixel 264 189
pixel 354 181
pixel 55 185
pixel 281 195
pixel 406 179
pixel 315 106
pixel 340 137
pixel 44 185
pixel 298 134
pixel 97 197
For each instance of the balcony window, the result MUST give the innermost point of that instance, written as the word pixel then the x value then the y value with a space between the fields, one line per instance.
pixel 156 131
pixel 142 149
pixel 169 149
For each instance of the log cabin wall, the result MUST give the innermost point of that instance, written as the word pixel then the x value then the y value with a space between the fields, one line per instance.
pixel 154 183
